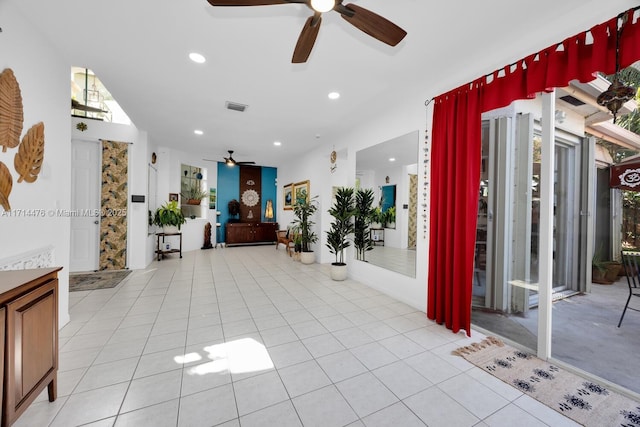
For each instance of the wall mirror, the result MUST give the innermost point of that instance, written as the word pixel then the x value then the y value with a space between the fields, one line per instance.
pixel 390 169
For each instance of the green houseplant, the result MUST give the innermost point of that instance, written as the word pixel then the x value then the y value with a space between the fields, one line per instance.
pixel 337 237
pixel 362 219
pixel 377 218
pixel 390 217
pixel 303 209
pixel 169 215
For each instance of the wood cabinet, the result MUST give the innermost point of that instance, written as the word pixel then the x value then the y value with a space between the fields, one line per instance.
pixel 250 232
pixel 29 320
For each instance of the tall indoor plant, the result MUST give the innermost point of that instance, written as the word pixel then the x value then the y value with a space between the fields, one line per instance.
pixel 362 220
pixel 303 209
pixel 342 226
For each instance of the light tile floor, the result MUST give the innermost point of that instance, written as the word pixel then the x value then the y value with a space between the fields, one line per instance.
pixel 247 336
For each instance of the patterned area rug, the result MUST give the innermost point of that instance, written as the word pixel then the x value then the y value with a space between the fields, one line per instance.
pixel 98 280
pixel 583 401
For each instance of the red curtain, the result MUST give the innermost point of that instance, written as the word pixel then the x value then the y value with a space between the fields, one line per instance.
pixel 456 150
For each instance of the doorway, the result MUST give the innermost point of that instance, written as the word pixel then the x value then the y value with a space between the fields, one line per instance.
pixel 85 205
pixel 506 253
pixel 99 202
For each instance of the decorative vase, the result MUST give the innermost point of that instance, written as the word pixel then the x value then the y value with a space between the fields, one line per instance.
pixel 307 257
pixel 338 271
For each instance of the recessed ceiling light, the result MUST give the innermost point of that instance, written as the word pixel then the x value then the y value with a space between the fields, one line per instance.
pixel 334 95
pixel 277 143
pixel 392 159
pixel 198 132
pixel 197 58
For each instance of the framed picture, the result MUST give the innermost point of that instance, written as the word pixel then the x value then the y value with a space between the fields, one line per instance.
pixel 301 190
pixel 173 197
pixel 287 197
pixel 212 198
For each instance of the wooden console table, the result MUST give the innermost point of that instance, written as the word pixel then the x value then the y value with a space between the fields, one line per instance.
pixel 29 329
pixel 250 232
pixel 160 251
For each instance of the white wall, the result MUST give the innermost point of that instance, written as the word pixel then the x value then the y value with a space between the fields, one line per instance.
pixel 400 119
pixel 169 171
pixel 44 82
pixel 139 157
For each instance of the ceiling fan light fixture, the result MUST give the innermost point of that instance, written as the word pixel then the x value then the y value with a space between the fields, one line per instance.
pixel 323 5
pixel 334 95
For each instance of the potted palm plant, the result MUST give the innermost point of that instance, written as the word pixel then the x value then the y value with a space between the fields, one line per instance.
pixel 337 237
pixel 169 217
pixel 362 220
pixel 303 209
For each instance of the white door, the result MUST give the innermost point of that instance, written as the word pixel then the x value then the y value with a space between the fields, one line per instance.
pixel 85 205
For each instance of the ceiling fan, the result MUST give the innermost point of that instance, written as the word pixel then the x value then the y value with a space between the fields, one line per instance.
pixel 365 20
pixel 230 161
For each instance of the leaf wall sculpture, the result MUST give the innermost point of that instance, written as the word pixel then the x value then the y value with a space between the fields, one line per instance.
pixel 11 116
pixel 28 160
pixel 6 182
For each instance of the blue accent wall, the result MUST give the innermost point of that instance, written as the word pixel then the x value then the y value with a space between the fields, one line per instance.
pixel 269 176
pixel 229 189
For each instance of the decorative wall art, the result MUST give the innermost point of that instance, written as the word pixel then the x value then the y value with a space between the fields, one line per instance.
pixel 6 182
pixel 212 198
pixel 173 197
pixel 28 160
pixel 113 222
pixel 301 190
pixel 11 117
pixel 287 197
pixel 250 193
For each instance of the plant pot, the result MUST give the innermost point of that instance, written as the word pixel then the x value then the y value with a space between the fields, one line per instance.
pixel 170 229
pixel 612 270
pixel 194 201
pixel 391 225
pixel 338 271
pixel 599 276
pixel 307 257
pixel 376 225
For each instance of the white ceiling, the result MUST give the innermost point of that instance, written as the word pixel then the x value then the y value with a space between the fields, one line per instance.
pixel 139 49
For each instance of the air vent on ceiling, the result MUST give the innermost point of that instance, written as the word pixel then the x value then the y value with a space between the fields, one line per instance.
pixel 571 100
pixel 236 106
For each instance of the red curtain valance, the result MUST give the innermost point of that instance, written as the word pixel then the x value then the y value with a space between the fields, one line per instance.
pixel 456 150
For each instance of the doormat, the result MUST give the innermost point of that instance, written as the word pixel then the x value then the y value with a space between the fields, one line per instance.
pixel 582 400
pixel 98 280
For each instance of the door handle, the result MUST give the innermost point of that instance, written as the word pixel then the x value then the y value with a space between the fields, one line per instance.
pixel 96 222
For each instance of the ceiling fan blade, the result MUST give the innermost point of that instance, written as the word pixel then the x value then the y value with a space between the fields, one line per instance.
pixel 246 2
pixel 245 163
pixel 307 39
pixel 373 24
